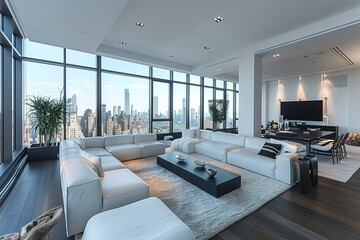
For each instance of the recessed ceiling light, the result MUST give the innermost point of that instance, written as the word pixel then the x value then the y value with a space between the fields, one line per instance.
pixel 276 55
pixel 139 24
pixel 218 19
pixel 122 42
pixel 207 48
pixel 218 70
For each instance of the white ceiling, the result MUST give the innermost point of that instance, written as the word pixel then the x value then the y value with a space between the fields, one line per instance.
pixel 183 28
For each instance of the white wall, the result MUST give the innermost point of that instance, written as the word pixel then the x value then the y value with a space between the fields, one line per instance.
pixel 354 100
pixel 341 89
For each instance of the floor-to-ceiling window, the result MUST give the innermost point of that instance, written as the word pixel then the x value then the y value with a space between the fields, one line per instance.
pixel 81 103
pixel 107 96
pixel 194 106
pixel 41 80
pixel 10 90
pixel 124 104
pixel 179 109
pixel 161 107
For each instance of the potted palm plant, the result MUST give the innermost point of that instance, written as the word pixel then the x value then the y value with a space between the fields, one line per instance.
pixel 46 117
pixel 218 110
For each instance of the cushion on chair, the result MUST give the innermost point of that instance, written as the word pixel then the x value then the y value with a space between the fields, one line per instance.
pixel 323 146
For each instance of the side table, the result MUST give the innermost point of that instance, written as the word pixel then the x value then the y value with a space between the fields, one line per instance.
pixel 308 173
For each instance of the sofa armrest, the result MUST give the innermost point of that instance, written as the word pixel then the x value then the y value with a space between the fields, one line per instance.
pixel 82 195
pixel 285 167
pixel 187 147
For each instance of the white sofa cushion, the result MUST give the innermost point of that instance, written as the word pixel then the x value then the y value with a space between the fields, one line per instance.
pixel 146 219
pixel 92 142
pixel 121 187
pixel 111 163
pixel 249 159
pixel 255 142
pixel 148 137
pixel 205 134
pixel 100 152
pixel 214 149
pixel 228 138
pixel 68 144
pixel 188 133
pixel 151 148
pixel 119 140
pixel 126 151
pixel 81 190
pixel 67 153
pixel 79 142
pixel 94 160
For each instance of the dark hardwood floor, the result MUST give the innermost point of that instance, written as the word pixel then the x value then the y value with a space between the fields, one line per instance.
pixel 330 211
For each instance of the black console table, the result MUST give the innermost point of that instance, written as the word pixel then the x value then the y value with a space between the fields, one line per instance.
pixel 334 129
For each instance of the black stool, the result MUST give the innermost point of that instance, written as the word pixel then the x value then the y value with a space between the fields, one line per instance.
pixel 308 173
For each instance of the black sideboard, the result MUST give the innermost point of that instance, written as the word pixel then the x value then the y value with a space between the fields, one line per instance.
pixel 334 129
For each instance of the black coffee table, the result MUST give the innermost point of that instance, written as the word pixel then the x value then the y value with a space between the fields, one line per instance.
pixel 223 182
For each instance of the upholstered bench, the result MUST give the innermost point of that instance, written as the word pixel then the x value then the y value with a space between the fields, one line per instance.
pixel 145 219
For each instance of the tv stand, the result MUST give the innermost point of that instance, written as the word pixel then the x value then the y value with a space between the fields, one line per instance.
pixel 334 129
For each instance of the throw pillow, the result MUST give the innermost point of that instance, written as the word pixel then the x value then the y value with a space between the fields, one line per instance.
pixel 353 139
pixel 270 150
pixel 191 133
pixel 79 142
pixel 94 160
pixel 286 147
pixel 92 166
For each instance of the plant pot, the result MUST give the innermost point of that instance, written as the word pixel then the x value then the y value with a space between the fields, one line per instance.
pixel 40 153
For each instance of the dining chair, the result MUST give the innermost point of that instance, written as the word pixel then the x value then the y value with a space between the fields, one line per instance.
pixel 327 147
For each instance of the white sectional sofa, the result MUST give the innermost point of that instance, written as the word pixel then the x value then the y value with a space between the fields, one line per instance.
pixel 88 188
pixel 242 151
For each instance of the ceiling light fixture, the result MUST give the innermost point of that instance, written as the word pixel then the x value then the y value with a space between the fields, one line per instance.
pixel 139 24
pixel 218 70
pixel 276 55
pixel 122 42
pixel 207 48
pixel 218 19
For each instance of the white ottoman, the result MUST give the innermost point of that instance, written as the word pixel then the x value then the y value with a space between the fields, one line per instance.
pixel 145 219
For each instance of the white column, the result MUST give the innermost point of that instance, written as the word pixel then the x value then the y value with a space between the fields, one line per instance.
pixel 250 90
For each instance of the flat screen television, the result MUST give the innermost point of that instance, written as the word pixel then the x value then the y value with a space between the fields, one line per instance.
pixel 302 110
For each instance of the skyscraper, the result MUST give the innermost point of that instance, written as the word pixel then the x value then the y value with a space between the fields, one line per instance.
pixel 103 112
pixel 127 101
pixel 156 106
pixel 115 110
pixel 183 114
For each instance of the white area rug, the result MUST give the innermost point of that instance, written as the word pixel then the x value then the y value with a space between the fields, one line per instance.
pixel 203 213
pixel 343 170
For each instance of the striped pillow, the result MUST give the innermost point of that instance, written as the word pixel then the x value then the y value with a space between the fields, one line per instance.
pixel 270 150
